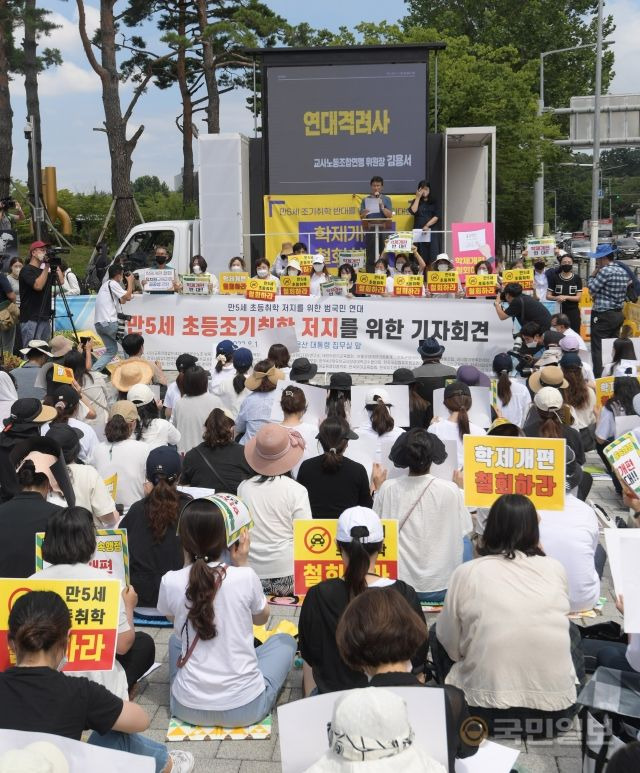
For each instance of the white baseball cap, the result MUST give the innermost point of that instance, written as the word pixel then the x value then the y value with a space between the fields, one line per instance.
pixel 360 517
pixel 318 259
pixel 140 394
pixel 442 257
pixel 548 399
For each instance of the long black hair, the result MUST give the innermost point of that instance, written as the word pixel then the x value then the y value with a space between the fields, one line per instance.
pixel 359 555
pixel 512 525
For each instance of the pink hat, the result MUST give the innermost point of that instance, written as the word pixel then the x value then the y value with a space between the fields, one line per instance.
pixel 274 450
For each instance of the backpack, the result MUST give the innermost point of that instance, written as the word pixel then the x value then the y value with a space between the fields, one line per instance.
pixel 633 288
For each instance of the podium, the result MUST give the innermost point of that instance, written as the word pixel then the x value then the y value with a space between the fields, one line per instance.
pixel 373 227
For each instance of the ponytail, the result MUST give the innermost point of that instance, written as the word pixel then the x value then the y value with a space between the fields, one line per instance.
pixel 381 419
pixel 504 388
pixel 359 555
pixel 161 506
pixel 336 404
pixel 204 583
pixel 460 404
pixel 550 424
pixel 332 459
pixel 221 361
pixel 238 382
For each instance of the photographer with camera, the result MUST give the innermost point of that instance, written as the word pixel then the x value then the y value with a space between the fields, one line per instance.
pixel 108 306
pixel 523 308
pixel 6 219
pixel 35 292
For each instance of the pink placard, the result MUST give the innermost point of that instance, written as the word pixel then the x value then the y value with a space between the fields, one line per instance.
pixel 471 243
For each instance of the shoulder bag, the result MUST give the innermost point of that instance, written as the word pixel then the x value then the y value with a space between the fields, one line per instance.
pixel 409 512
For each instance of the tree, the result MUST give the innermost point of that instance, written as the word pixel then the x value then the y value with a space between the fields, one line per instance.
pixel 149 185
pixel 7 24
pixel 116 121
pixel 30 64
pixel 530 27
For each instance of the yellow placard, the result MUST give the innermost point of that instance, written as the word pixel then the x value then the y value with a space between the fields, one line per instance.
pixel 408 285
pixel 94 607
pixel 261 289
pixel 534 467
pixel 295 285
pixel 62 375
pixel 480 285
pixel 523 276
pixel 112 485
pixel 306 263
pixel 371 284
pixel 316 556
pixel 233 282
pixel 442 281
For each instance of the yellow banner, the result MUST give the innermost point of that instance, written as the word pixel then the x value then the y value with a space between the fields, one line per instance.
pixel 371 284
pixel 94 607
pixel 261 289
pixel 295 285
pixel 408 285
pixel 233 282
pixel 328 223
pixel 480 285
pixel 534 467
pixel 523 276
pixel 316 556
pixel 442 281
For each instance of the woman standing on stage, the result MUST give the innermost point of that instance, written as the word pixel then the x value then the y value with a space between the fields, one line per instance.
pixel 426 215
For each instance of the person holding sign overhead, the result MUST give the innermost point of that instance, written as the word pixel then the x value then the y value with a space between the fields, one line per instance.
pixel 375 206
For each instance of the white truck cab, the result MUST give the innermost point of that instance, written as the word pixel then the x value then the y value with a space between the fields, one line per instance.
pixel 181 239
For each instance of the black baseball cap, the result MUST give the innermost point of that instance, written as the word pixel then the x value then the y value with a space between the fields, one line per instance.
pixel 185 361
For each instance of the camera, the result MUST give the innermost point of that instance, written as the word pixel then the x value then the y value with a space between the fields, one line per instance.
pixel 53 256
pixel 7 203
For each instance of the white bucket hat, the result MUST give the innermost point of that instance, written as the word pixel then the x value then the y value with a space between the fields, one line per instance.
pixel 370 731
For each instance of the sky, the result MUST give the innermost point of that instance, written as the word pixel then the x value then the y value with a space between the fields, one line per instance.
pixel 71 106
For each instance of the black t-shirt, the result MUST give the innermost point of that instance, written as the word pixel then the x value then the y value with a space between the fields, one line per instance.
pixel 20 518
pixel 560 285
pixel 525 308
pixel 150 560
pixel 425 212
pixel 321 610
pixel 34 304
pixel 228 462
pixel 41 700
pixel 5 288
pixel 455 707
pixel 330 494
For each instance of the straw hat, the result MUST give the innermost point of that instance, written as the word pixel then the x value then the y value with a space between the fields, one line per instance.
pixel 131 372
pixel 274 450
pixel 549 376
pixel 257 377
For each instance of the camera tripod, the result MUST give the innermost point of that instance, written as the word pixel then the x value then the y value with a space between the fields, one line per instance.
pixel 55 286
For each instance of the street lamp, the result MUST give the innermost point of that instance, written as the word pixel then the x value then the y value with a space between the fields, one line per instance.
pixel 538 188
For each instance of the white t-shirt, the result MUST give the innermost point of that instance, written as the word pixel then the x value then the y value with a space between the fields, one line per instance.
pixel 228 371
pixel 585 416
pixel 189 415
pixel 273 505
pixel 91 492
pixel 88 442
pixel 115 680
pixel 128 460
pixel 172 395
pixel 160 432
pixel 541 284
pixel 317 279
pixel 230 400
pixel 105 309
pixel 311 447
pixel 222 673
pixel 571 537
pixel 430 543
pixel 518 407
pixel 446 429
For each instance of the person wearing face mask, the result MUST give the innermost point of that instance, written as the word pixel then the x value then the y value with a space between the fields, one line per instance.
pixel 400 262
pixel 347 273
pixel 540 279
pixel 237 264
pixel 263 271
pixel 319 274
pixel 565 286
pixel 280 264
pixel 198 267
pixel 15 267
pixel 382 267
pixel 160 260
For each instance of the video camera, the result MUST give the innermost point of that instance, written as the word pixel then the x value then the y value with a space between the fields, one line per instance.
pixel 7 203
pixel 53 256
